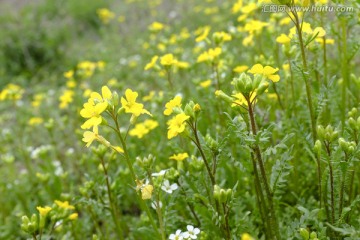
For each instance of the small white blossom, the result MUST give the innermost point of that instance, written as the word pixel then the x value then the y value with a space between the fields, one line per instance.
pixel 177 236
pixel 161 173
pixel 191 232
pixel 154 204
pixel 169 188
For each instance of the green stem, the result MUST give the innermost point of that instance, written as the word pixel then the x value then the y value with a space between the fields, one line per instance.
pixel 344 71
pixel 298 27
pixel 332 192
pixel 113 208
pixel 319 178
pixel 158 209
pixel 132 172
pixel 198 145
pixel 256 149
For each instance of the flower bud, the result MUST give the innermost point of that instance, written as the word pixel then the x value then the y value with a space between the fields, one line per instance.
pixel 317 148
pixel 313 235
pixel 352 123
pixel 223 196
pixel 222 95
pixel 262 87
pixel 304 233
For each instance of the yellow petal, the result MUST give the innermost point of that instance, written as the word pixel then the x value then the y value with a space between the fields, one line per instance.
pixel 256 69
pixel 106 93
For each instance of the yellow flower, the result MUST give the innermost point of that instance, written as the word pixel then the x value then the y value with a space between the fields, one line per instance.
pixel 176 125
pixel 255 26
pixel 283 39
pixel 149 97
pixel 204 34
pixel 237 6
pixel 139 130
pixel 92 112
pixel 156 26
pixel 209 55
pixel 70 83
pixel 168 60
pixel 246 236
pixel 241 100
pixel 90 136
pixel 69 74
pixel 152 63
pixel 240 68
pixel 205 84
pixel 105 96
pixel 43 211
pixel 151 124
pixel 73 216
pixel 105 15
pixel 66 99
pixel 64 205
pixel 146 191
pixel 267 71
pixel 249 8
pixel 285 21
pixel 131 106
pixel 11 92
pixel 182 64
pixel 179 156
pixel 176 102
pixel 327 41
pixel 222 37
pixel 35 121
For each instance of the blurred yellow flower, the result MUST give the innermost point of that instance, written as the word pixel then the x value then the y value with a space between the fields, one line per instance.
pixel 204 32
pixel 105 15
pixel 179 156
pixel 168 60
pixel 205 84
pixel 240 68
pixel 64 205
pixel 283 39
pixel 43 211
pixel 156 26
pixel 73 216
pixel 35 121
pixel 152 63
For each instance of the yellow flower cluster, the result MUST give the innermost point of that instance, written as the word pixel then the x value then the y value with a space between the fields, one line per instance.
pixel 11 92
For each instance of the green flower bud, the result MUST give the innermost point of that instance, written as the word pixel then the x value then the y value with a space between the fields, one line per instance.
pixel 317 148
pixel 188 110
pixel 320 131
pixel 343 144
pixel 223 196
pixel 352 123
pixel 216 192
pixel 262 87
pixel 115 99
pixel 239 83
pixel 313 235
pixel 222 95
pixel 304 233
pixel 228 193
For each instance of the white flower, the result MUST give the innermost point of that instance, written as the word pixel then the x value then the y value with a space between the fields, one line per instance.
pixel 169 188
pixel 154 204
pixel 191 232
pixel 177 236
pixel 161 173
